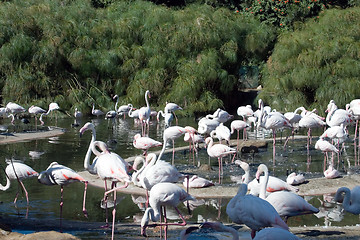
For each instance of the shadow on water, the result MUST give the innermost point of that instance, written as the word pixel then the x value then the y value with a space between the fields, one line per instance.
pixel 69 149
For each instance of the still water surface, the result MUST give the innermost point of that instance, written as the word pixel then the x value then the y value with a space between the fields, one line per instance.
pixel 69 149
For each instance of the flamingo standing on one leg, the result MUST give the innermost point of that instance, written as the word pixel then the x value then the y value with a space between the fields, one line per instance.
pixel 163 195
pixel 144 114
pixel 20 171
pixel 218 151
pixel 57 174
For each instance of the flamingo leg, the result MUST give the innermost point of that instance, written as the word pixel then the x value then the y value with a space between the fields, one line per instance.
pixel 166 223
pixel 61 205
pixel 173 155
pixel 26 193
pixel 84 201
pixel 106 211
pixel 114 214
pixel 117 188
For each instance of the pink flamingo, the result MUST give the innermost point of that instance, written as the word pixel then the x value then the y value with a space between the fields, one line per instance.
pixel 294 119
pixel 354 108
pixel 218 151
pixel 349 199
pixel 145 143
pixel 144 114
pixel 287 204
pixel 197 182
pixel 52 107
pixel 19 171
pixel 254 212
pixel 205 125
pixel 13 109
pixel 193 140
pixel 331 172
pixel 336 116
pixel 245 112
pixel 325 147
pixel 309 121
pixel 221 132
pixel 108 166
pixel 172 133
pixel 295 179
pixel 57 174
pixel 163 195
pixel 171 108
pixel 36 110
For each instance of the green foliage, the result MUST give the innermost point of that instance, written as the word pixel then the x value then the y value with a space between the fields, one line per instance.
pixel 79 54
pixel 315 64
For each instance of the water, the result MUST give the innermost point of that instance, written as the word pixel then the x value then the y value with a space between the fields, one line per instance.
pixel 69 149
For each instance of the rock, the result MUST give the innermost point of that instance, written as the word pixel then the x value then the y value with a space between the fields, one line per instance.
pixel 50 235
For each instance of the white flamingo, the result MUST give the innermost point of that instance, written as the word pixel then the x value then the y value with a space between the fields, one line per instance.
pixel 144 114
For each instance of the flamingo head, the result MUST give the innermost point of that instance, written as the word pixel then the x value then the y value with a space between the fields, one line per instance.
pixel 87 126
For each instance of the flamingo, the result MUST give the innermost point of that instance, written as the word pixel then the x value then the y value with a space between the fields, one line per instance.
pixel 254 212
pixel 13 109
pixel 36 110
pixel 215 226
pixel 336 116
pixel 168 117
pixel 113 113
pixel 294 119
pixel 134 113
pixel 163 195
pixel 354 108
pixel 194 139
pixel 172 133
pixel 245 112
pixel 287 204
pixel 275 234
pixel 309 121
pixel 221 132
pixel 145 143
pixel 205 125
pixel 108 166
pixel 295 179
pixel 144 114
pixel 349 199
pixel 239 125
pixel 96 112
pixel 197 182
pixel 218 151
pixel 325 147
pixel 77 113
pixel 244 178
pixel 52 107
pixel 331 172
pixel 171 108
pixel 273 121
pixel 20 171
pixel 57 174
pixel 220 115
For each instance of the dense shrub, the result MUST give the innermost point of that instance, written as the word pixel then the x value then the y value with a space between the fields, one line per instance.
pixel 316 63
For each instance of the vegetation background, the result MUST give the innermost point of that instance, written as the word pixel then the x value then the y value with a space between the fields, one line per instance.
pixel 198 53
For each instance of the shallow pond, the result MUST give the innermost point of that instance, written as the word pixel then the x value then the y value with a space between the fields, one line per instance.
pixel 69 149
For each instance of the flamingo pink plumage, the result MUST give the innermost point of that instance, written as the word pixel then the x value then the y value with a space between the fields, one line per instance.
pixel 221 132
pixel 57 174
pixel 287 204
pixel 17 170
pixel 325 147
pixel 254 212
pixel 163 195
pixel 331 172
pixel 197 182
pixel 172 133
pixel 218 151
pixel 145 143
pixel 295 179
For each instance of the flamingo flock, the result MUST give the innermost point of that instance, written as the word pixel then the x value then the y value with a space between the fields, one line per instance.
pixel 263 204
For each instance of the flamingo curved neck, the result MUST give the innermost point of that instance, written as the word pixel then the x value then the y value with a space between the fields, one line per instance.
pixel 263 184
pixel 87 165
pixel 347 198
pixel 7 186
pixel 150 214
pixel 233 232
pixel 146 99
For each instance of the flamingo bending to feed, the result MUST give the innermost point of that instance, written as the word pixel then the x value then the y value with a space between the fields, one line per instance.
pixel 163 195
pixel 20 171
pixel 57 174
pixel 145 143
pixel 197 182
pixel 221 132
pixel 168 117
pixel 254 212
pixel 287 204
pixel 218 151
pixel 172 133
pixel 144 114
pixel 52 107
pixel 108 166
pixel 205 125
pixel 349 199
